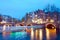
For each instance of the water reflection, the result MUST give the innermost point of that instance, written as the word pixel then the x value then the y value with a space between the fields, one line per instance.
pixel 14 35
pixel 50 34
pixel 6 35
pixel 32 34
pixel 40 34
pixel 36 34
pixel 47 34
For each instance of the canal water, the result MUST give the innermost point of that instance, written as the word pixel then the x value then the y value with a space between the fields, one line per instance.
pixel 32 34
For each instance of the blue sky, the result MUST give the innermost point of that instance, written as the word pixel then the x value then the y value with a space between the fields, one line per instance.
pixel 18 8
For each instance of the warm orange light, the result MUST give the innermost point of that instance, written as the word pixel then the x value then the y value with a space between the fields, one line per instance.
pixel 36 34
pixel 32 34
pixel 39 21
pixel 47 34
pixel 40 34
pixel 51 20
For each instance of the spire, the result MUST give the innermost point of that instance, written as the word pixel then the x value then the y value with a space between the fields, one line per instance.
pixel 51 8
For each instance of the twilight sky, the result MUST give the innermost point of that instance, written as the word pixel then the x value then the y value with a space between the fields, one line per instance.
pixel 18 8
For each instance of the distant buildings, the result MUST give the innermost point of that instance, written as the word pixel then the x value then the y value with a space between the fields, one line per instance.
pixel 4 19
pixel 49 14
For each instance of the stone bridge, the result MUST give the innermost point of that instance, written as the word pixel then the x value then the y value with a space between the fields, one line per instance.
pixel 51 24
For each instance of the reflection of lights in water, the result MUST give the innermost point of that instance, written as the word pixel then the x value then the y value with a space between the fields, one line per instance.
pixel 50 34
pixel 4 27
pixel 32 34
pixel 19 34
pixel 4 34
pixel 36 34
pixel 40 34
pixel 47 34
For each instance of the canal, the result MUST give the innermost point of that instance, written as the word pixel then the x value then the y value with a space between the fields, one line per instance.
pixel 32 34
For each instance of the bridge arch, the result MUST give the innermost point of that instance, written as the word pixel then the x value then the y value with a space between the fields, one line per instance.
pixel 50 25
pixel 29 25
pixel 19 24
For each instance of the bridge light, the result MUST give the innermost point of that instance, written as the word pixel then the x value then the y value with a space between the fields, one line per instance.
pixel 52 20
pixel 52 27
